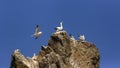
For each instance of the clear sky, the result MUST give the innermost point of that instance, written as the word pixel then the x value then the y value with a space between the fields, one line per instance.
pixel 98 20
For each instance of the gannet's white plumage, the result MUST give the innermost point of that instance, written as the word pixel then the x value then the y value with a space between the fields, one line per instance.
pixel 59 28
pixel 17 50
pixel 72 37
pixel 34 54
pixel 34 57
pixel 82 38
pixel 37 32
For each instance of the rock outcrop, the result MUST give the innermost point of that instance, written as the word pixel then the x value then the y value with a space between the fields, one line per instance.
pixel 61 52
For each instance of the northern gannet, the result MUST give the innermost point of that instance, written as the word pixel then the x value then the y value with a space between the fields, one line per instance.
pixel 82 38
pixel 72 37
pixel 34 54
pixel 17 50
pixel 37 32
pixel 59 28
pixel 34 57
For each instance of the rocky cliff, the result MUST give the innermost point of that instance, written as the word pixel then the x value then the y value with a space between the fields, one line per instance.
pixel 61 52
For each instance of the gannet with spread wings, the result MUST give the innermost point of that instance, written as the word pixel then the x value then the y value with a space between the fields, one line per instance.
pixel 37 32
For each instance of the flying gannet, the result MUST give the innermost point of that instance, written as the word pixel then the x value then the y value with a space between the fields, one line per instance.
pixel 37 32
pixel 60 28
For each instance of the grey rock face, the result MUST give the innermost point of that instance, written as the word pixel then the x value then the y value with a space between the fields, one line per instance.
pixel 61 52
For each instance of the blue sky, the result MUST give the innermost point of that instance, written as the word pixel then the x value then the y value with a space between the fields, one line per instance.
pixel 98 20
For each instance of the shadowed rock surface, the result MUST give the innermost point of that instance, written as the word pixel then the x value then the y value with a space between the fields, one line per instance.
pixel 61 52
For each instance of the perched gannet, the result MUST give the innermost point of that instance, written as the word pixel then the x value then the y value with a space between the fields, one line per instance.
pixel 59 28
pixel 34 54
pixel 72 37
pixel 17 51
pixel 34 57
pixel 37 32
pixel 82 38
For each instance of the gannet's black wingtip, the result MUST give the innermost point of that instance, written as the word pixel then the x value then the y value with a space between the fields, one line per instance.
pixel 37 25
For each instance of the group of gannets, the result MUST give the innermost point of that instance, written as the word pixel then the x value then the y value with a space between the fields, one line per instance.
pixel 60 28
pixel 81 38
pixel 38 32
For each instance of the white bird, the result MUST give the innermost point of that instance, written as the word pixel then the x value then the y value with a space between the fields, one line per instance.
pixel 72 37
pixel 17 50
pixel 34 54
pixel 59 28
pixel 37 32
pixel 82 38
pixel 34 57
